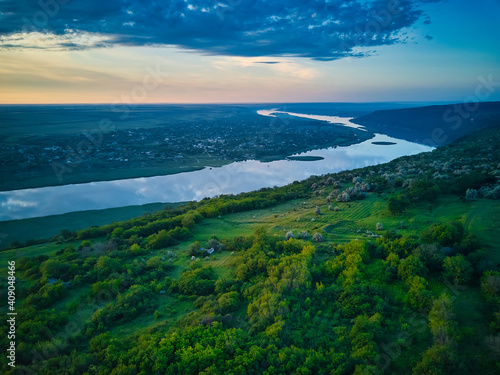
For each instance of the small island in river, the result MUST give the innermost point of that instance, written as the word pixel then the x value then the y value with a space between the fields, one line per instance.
pixel 383 143
pixel 305 158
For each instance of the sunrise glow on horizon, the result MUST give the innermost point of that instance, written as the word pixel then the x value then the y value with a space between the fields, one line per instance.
pixel 247 52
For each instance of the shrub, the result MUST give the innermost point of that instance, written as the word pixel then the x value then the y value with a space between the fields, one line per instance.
pixel 343 197
pixel 448 234
pixel 457 269
pixel 398 204
pixel 490 284
pixel 303 235
pixel 194 249
pixel 228 302
pixel 197 281
pixel 317 237
pixel 471 194
pixel 411 266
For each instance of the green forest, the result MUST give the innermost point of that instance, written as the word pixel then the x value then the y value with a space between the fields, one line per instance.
pixel 389 269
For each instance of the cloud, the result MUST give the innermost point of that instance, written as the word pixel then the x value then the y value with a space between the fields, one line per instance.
pixel 317 29
pixel 71 40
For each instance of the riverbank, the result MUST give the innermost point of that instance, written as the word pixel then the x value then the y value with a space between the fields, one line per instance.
pixel 234 178
pixel 50 226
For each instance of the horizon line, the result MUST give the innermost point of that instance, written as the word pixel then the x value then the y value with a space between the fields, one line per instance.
pixel 247 103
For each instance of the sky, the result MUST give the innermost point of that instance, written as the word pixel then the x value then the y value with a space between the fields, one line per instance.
pixel 248 51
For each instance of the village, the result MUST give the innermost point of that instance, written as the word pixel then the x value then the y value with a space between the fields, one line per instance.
pixel 185 143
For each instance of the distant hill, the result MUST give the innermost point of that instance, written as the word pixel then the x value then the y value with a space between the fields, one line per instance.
pixel 435 125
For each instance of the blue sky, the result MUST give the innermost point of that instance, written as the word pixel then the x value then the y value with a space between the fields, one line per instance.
pixel 186 51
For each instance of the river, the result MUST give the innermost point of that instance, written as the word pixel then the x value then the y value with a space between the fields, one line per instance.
pixel 233 178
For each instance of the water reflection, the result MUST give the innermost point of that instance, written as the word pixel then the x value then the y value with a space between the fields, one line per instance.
pixel 230 179
pixel 345 121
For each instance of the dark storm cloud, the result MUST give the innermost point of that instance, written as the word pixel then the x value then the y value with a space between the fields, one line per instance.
pixel 321 30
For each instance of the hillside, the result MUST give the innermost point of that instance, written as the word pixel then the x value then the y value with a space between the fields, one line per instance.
pixel 434 125
pixel 397 266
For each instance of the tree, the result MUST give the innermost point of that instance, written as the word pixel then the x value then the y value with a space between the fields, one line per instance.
pixel 441 320
pixel 362 335
pixel 411 266
pixel 213 243
pixel 471 194
pixel 194 249
pixel 197 281
pixel 188 221
pixel 228 302
pixel 438 360
pixel 86 244
pixel 457 269
pixel 159 240
pixel 493 344
pixel 154 262
pixel 317 237
pixel 398 204
pixel 317 210
pixel 99 344
pixel 448 234
pixel 53 268
pixel 432 256
pixel 418 296
pixel 289 235
pixel 343 197
pixel 117 232
pixel 424 190
pixel 303 235
pixel 379 226
pixel 135 249
pixel 106 265
pixel 490 284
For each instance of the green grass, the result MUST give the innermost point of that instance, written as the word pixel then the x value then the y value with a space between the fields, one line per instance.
pixel 169 308
pixel 32 251
pixel 49 226
pixel 353 220
pixel 479 217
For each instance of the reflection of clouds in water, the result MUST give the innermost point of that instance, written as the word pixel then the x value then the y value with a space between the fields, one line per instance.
pixel 12 203
pixel 229 179
pixel 143 191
